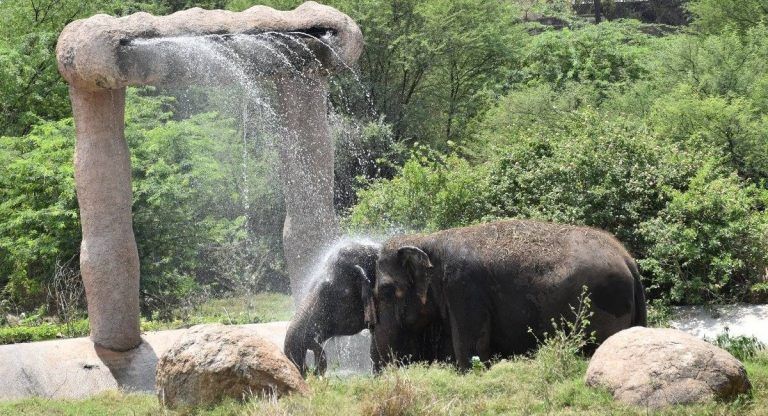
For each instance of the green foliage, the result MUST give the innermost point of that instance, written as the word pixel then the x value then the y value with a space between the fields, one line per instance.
pixel 587 170
pixel 428 67
pixel 188 208
pixel 39 221
pixel 363 151
pixel 559 354
pixel 29 84
pixel 719 15
pixel 191 187
pixel 709 242
pixel 507 388
pixel 725 64
pixel 742 347
pixel 431 191
pixel 42 332
pixel 729 129
pixel 605 55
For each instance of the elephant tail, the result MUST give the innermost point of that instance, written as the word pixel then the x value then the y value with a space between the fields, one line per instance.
pixel 641 310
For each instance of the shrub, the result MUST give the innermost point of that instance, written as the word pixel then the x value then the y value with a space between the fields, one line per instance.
pixel 708 243
pixel 559 353
pixel 586 170
pixel 191 220
pixel 607 55
pixel 741 347
pixel 431 191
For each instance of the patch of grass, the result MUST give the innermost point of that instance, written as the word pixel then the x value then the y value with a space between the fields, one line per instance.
pixel 257 308
pixel 261 307
pixel 111 403
pixel 42 332
pixel 509 387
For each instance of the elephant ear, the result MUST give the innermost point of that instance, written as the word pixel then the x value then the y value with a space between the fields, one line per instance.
pixel 417 263
pixel 369 306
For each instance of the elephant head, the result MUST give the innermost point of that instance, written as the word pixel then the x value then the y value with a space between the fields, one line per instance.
pixel 409 324
pixel 339 303
pixel 403 270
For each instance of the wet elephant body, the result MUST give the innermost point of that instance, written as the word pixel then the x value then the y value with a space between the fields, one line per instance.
pixel 335 305
pixel 341 303
pixel 494 288
pixel 424 338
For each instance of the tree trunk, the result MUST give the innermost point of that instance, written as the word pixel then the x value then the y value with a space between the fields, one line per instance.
pixel 598 11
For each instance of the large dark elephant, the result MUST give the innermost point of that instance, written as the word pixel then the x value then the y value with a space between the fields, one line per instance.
pixel 496 287
pixel 424 338
pixel 335 305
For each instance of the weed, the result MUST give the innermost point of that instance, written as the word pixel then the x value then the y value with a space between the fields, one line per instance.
pixel 559 351
pixel 741 347
pixel 396 395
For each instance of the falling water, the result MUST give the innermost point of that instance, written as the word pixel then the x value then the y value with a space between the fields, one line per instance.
pixel 244 64
pixel 346 355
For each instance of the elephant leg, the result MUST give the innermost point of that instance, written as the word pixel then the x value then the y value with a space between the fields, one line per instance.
pixel 375 358
pixel 321 360
pixel 470 328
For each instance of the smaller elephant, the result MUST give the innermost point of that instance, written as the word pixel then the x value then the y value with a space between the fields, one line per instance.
pixel 336 305
pixel 494 289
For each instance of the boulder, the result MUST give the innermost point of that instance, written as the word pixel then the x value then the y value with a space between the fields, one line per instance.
pixel 657 367
pixel 211 362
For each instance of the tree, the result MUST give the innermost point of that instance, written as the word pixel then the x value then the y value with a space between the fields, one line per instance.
pixel 598 11
pixel 713 16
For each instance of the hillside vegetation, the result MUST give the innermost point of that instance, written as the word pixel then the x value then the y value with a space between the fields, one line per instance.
pixel 464 113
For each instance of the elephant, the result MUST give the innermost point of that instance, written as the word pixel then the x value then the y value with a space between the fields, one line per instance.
pixel 423 339
pixel 335 305
pixel 495 288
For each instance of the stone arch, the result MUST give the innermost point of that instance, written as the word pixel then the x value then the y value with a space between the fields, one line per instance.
pixel 98 57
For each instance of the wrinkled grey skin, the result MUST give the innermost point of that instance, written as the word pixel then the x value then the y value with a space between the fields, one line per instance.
pixel 493 289
pixel 422 339
pixel 335 306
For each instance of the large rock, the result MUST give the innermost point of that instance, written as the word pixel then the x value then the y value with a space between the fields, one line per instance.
pixel 657 367
pixel 212 362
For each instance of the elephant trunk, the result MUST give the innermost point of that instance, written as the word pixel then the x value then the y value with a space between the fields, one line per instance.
pixel 306 332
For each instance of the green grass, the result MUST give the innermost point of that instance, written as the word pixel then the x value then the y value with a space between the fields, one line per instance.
pixel 261 307
pixel 514 387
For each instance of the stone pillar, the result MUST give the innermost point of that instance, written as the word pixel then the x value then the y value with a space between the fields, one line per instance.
pixel 109 260
pixel 306 156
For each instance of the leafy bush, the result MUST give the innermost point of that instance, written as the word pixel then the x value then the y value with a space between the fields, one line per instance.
pixel 741 347
pixel 708 243
pixel 559 352
pixel 39 220
pixel 606 55
pixel 728 128
pixel 189 212
pixel 587 170
pixel 719 15
pixel 432 191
